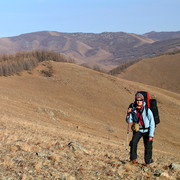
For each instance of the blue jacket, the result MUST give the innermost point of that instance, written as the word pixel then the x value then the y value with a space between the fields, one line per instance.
pixel 148 120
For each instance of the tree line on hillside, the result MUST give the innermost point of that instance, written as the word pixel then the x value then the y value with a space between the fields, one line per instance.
pixel 93 67
pixel 124 66
pixel 15 63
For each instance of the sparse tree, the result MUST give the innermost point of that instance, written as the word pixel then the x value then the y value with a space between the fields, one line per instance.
pixel 11 64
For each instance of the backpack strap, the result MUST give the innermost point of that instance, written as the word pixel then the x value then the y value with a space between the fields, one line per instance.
pixel 146 108
pixel 140 113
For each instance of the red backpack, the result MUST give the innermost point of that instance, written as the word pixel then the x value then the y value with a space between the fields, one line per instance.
pixel 152 105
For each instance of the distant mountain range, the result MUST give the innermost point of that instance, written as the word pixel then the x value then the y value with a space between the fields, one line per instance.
pixel 108 49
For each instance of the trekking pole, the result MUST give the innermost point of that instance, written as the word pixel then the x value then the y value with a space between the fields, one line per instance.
pixel 127 140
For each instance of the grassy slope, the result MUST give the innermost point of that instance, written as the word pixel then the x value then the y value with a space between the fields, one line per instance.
pixel 162 71
pixel 78 104
pixel 95 101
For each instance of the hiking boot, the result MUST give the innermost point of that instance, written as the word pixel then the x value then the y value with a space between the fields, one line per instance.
pixel 150 162
pixel 133 162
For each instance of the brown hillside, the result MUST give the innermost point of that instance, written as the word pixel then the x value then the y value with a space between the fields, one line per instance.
pixel 72 125
pixel 161 71
pixel 93 49
pixel 162 35
pixel 107 50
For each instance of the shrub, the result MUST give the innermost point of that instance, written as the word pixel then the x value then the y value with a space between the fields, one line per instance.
pixel 122 67
pixel 48 72
pixel 15 63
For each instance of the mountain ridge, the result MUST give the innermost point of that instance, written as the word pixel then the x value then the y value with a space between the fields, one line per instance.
pixel 107 49
pixel 162 35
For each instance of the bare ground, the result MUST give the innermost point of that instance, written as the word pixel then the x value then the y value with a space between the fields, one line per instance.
pixel 72 126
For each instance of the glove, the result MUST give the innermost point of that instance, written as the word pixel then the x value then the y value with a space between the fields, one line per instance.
pixel 150 138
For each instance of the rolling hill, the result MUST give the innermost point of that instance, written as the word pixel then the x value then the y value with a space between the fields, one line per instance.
pixel 162 35
pixel 161 71
pixel 72 125
pixel 107 50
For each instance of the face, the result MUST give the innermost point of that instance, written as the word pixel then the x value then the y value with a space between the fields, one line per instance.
pixel 139 102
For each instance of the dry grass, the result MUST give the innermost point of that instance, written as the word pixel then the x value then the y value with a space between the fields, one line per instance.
pixel 11 64
pixel 42 116
pixel 161 71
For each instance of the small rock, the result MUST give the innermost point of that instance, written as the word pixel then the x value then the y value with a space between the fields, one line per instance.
pixel 75 146
pixel 174 166
pixel 165 174
pixel 54 157
pixel 40 154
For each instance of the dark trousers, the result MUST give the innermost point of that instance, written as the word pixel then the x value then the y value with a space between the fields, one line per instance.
pixel 147 144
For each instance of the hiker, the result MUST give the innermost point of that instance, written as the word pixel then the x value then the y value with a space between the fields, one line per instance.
pixel 143 126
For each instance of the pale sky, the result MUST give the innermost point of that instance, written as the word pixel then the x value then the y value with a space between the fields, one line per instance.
pixel 92 16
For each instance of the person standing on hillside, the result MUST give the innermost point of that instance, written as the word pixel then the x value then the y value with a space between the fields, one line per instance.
pixel 143 126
